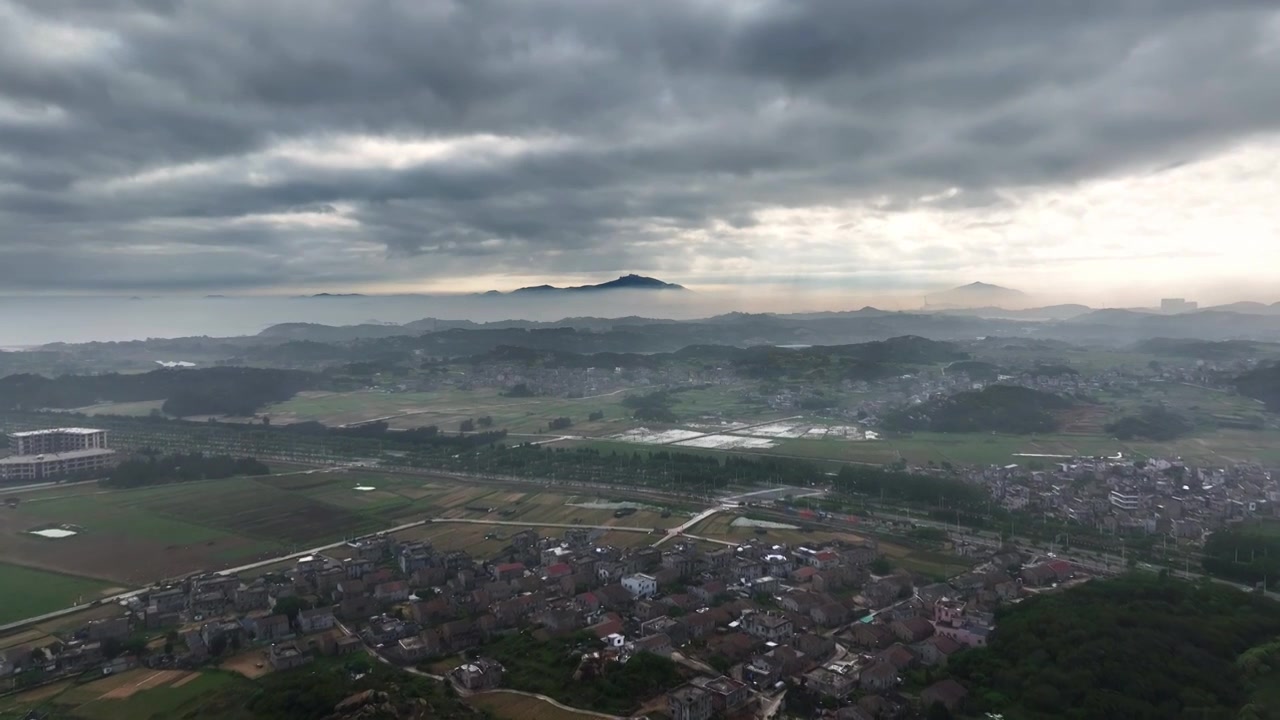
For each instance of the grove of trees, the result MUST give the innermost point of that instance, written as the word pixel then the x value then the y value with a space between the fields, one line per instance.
pixel 1136 647
pixel 180 467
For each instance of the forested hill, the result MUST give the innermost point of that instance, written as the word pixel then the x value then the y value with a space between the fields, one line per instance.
pixel 205 391
pixel 1137 648
pixel 996 408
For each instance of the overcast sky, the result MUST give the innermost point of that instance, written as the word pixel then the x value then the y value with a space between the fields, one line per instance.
pixel 274 146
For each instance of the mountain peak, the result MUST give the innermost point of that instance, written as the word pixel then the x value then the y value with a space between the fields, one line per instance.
pixel 630 281
pixel 986 287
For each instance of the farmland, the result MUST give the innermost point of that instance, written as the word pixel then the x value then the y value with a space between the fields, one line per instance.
pixel 25 592
pixel 446 409
pixel 133 537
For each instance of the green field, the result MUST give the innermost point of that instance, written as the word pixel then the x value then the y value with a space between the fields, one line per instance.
pixel 25 592
pixel 133 409
pixel 1210 447
pixel 132 537
pixel 448 408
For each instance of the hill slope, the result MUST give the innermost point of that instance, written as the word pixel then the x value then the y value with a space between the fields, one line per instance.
pixel 1136 647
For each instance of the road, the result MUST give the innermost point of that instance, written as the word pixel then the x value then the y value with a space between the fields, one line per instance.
pixel 679 530
pixel 20 489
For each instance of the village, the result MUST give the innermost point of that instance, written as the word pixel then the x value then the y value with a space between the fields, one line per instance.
pixel 747 624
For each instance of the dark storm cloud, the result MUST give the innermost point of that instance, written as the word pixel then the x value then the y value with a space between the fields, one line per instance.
pixel 644 120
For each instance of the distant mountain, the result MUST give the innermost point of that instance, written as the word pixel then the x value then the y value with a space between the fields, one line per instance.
pixel 1248 308
pixel 1050 312
pixel 332 295
pixel 977 294
pixel 626 282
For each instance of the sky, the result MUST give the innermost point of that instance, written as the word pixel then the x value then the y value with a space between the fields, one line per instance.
pixel 1076 148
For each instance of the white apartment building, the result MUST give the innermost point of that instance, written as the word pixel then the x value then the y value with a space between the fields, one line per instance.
pixel 1125 501
pixel 41 454
pixel 641 585
pixel 57 440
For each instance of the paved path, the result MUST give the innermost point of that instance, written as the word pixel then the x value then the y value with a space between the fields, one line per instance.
pixel 534 524
pixel 42 486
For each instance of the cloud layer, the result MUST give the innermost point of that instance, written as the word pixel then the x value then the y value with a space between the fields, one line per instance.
pixel 167 145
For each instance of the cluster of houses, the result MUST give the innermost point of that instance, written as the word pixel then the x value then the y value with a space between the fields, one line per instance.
pixel 1158 496
pixel 857 658
pixel 760 614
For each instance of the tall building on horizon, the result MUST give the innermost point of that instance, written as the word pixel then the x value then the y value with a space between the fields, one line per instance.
pixel 1173 306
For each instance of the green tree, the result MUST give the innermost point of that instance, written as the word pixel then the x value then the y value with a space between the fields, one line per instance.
pixel 938 711
pixel 291 606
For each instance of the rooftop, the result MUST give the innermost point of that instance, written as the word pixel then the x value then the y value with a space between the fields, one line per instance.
pixel 56 431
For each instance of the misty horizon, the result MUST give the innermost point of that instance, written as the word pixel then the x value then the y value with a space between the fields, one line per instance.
pixel 33 321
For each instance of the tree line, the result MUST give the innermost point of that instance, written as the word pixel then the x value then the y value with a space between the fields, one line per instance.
pixel 186 391
pixel 154 469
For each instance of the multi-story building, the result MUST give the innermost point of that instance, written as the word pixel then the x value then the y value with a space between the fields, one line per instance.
pixel 40 454
pixel 640 585
pixel 1126 501
pixel 689 702
pixel 57 440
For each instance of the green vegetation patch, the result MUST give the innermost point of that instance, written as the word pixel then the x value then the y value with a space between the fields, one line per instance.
pixel 549 667
pixel 25 592
pixel 996 408
pixel 1141 648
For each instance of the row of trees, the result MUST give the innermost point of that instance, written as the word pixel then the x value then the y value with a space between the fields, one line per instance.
pixel 1245 553
pixel 154 469
pixel 903 486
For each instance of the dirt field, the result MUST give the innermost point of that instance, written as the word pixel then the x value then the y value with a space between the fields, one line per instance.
pixel 247 664
pixel 80 694
pixel 155 679
pixel 184 680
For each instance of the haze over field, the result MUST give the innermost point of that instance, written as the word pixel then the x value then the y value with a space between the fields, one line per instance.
pixel 790 154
